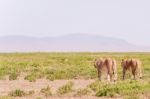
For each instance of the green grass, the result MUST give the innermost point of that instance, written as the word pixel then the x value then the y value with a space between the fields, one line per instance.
pixel 55 66
pixel 83 92
pixel 13 76
pixel 6 97
pixel 65 88
pixel 17 93
pixel 121 88
pixel 61 65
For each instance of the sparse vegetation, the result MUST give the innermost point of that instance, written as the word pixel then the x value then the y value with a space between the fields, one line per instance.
pixel 31 78
pixel 36 73
pixel 13 76
pixel 46 91
pixel 38 98
pixel 82 92
pixel 31 92
pixel 65 89
pixel 6 97
pixel 54 66
pixel 17 93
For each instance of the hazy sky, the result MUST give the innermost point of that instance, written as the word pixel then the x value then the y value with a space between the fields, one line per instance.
pixel 127 19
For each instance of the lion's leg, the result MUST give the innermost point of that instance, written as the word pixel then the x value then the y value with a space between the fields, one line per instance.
pixel 108 73
pixel 134 73
pixel 124 72
pixel 111 76
pixel 115 75
pixel 108 77
pixel 99 74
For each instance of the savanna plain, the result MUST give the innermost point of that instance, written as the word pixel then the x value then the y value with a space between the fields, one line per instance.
pixel 68 76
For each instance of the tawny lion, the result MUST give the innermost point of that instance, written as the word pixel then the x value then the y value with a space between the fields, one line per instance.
pixel 107 64
pixel 133 65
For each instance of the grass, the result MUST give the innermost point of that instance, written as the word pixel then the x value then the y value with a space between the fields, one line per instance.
pixel 121 88
pixel 6 97
pixel 54 66
pixel 46 91
pixel 31 78
pixel 38 98
pixel 83 92
pixel 61 65
pixel 13 76
pixel 31 92
pixel 65 88
pixel 21 93
pixel 17 93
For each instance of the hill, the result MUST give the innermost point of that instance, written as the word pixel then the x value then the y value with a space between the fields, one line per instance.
pixel 72 43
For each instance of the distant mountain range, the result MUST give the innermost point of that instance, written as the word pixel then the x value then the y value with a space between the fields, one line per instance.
pixel 66 43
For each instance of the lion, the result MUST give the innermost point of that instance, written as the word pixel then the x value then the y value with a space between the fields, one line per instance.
pixel 133 65
pixel 108 64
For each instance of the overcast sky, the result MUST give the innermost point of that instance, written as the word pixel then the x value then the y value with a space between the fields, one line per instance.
pixel 126 19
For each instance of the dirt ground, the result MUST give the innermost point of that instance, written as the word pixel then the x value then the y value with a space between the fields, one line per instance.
pixel 6 86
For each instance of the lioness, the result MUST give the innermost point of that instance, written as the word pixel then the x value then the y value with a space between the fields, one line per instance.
pixel 133 65
pixel 107 64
